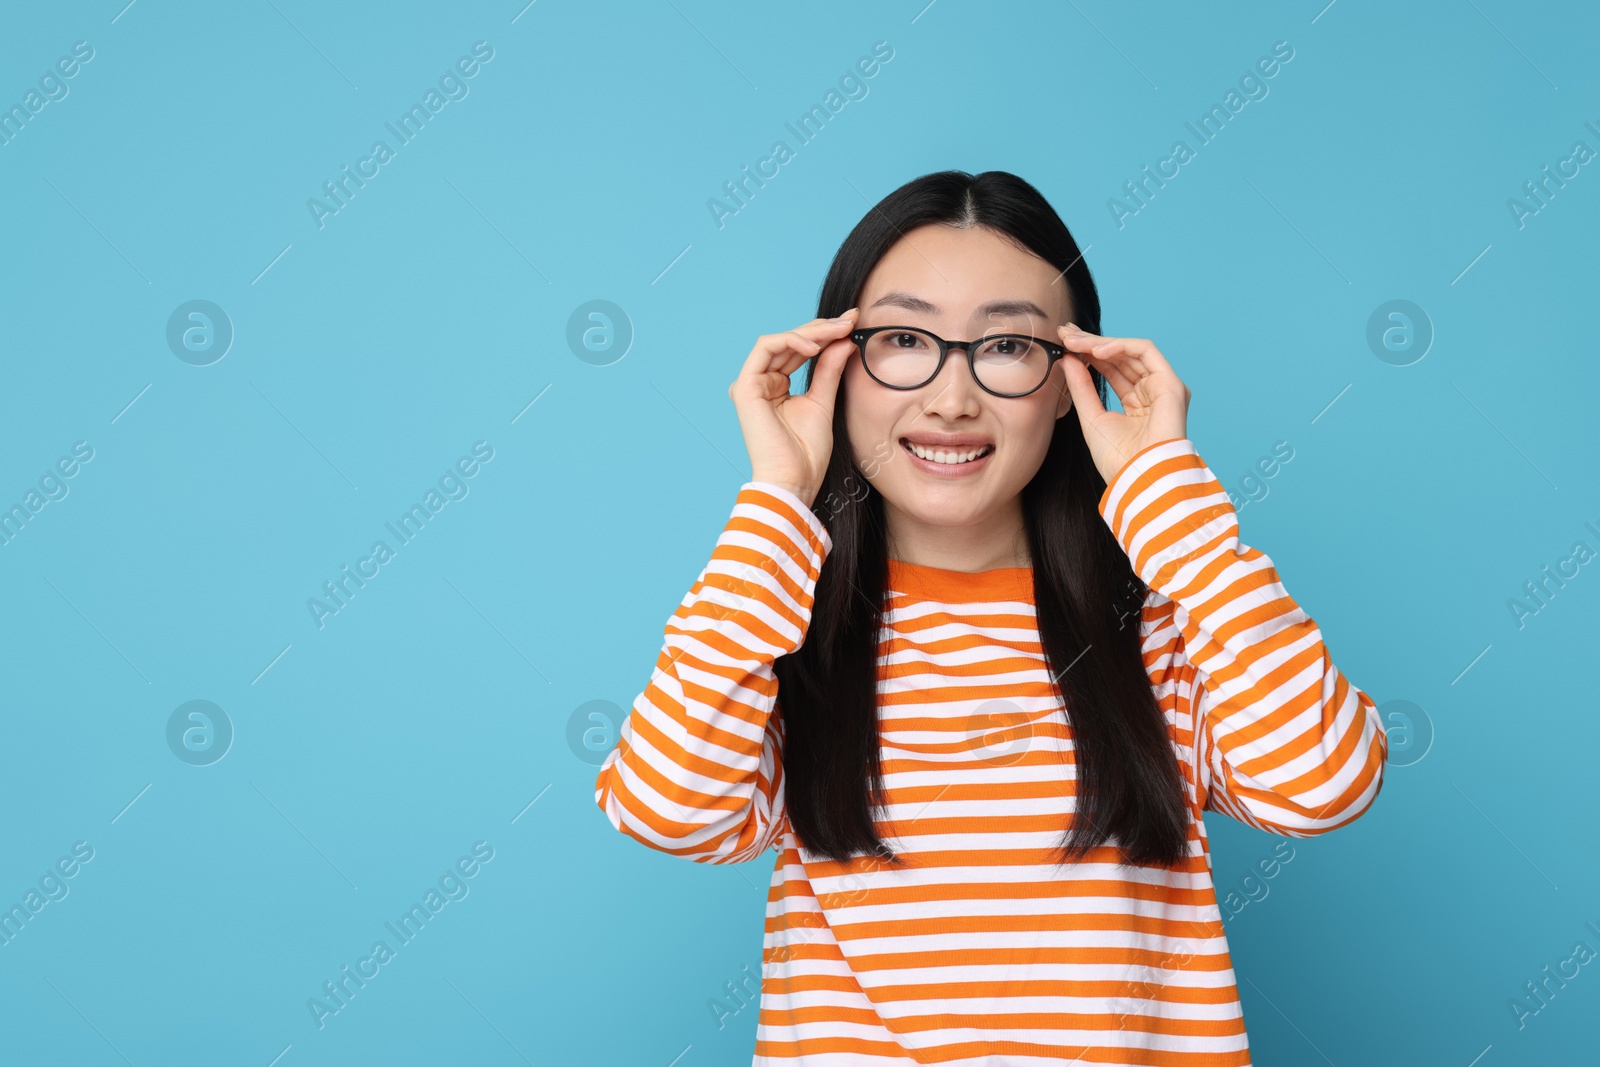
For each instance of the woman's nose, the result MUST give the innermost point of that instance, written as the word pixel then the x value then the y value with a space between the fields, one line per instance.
pixel 955 384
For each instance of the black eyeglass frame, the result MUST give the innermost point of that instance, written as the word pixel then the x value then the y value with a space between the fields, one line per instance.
pixel 1054 351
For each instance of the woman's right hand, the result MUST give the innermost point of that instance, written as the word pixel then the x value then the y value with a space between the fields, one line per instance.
pixel 790 437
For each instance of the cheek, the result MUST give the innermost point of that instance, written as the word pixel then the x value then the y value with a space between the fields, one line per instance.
pixel 870 414
pixel 1027 441
pixel 866 418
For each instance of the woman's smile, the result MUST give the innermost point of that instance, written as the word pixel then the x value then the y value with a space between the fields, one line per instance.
pixel 947 459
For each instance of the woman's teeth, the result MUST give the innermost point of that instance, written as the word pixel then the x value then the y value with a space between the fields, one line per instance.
pixel 940 455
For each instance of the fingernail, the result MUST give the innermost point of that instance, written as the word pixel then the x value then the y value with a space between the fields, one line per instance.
pixel 846 315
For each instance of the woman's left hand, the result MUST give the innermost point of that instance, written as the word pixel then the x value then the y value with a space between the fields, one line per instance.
pixel 1155 404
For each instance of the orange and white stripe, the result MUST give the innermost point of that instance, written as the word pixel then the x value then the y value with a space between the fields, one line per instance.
pixel 981 950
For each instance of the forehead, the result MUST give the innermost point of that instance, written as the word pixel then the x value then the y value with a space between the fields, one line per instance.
pixel 959 274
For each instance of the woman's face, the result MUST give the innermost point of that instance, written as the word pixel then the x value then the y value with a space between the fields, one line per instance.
pixel 960 284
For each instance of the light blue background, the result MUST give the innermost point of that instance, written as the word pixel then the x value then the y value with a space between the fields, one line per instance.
pixel 428 314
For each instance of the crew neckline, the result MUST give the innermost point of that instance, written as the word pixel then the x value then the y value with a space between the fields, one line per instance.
pixel 922 582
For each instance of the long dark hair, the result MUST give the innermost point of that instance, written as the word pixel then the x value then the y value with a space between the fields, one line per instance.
pixel 1086 592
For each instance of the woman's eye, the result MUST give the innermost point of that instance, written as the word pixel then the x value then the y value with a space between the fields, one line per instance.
pixel 1016 348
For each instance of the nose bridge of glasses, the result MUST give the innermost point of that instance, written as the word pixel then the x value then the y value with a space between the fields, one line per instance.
pixel 964 353
pixel 955 352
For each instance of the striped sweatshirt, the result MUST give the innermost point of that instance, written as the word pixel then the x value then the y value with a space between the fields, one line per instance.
pixel 981 950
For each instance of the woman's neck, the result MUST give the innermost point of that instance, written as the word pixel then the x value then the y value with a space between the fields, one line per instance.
pixel 999 540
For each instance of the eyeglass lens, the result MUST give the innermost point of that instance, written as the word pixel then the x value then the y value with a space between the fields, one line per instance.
pixel 907 358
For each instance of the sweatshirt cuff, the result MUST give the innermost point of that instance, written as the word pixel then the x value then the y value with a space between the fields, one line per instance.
pixel 806 538
pixel 1164 506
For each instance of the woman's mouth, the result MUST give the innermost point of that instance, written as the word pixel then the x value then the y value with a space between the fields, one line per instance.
pixel 948 459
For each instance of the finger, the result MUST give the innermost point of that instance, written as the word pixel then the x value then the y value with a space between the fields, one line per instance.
pixel 1142 350
pixel 1140 361
pixel 1121 384
pixel 793 360
pixel 1091 347
pixel 845 321
pixel 829 369
pixel 1079 340
pixel 1085 397
pixel 1095 356
pixel 1072 329
pixel 1094 340
pixel 768 350
pixel 774 351
pixel 821 332
pixel 1152 358
pixel 1145 350
pixel 1118 352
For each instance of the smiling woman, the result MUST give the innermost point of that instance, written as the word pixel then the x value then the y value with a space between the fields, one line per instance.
pixel 985 790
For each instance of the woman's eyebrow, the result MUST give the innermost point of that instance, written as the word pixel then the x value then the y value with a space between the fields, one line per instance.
pixel 993 307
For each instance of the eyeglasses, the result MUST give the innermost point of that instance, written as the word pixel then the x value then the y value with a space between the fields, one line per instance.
pixel 1003 364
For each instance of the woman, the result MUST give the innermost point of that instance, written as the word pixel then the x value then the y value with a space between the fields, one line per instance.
pixel 974 653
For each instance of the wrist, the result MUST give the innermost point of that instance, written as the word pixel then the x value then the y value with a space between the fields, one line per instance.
pixel 805 495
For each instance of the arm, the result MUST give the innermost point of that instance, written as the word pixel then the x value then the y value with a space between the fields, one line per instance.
pixel 1283 741
pixel 698 769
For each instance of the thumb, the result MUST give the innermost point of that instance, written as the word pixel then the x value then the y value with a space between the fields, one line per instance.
pixel 828 370
pixel 1085 397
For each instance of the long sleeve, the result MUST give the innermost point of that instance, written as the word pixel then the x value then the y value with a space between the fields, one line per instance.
pixel 1282 740
pixel 698 768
